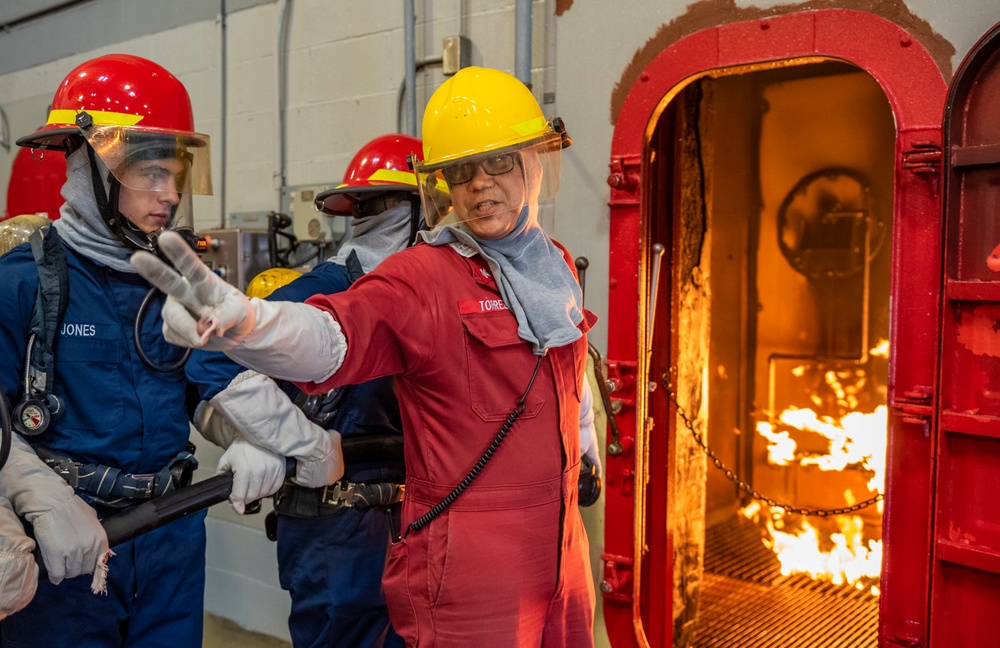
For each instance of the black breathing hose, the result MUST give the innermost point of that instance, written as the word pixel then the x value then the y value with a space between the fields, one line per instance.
pixel 137 336
pixel 515 414
pixel 6 433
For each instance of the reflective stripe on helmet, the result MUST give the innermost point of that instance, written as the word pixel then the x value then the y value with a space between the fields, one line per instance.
pixel 530 127
pixel 393 176
pixel 100 117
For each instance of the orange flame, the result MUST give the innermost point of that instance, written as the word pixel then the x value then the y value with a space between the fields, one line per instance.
pixel 855 440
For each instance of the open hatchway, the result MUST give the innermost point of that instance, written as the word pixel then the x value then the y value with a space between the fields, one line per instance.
pixel 772 195
pixel 775 208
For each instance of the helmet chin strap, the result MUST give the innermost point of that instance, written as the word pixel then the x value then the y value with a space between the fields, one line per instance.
pixel 123 229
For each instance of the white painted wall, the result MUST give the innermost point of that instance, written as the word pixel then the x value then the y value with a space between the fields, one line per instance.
pixel 345 66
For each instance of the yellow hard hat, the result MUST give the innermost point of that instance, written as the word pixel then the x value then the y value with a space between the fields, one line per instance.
pixel 269 280
pixel 483 116
pixel 479 110
pixel 18 229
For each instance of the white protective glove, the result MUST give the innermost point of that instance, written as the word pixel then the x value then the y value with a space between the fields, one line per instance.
pixel 282 339
pixel 266 417
pixel 18 569
pixel 204 311
pixel 214 426
pixel 589 445
pixel 69 535
pixel 257 473
pixel 72 542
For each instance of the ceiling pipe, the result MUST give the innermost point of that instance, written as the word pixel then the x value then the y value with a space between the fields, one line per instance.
pixel 223 117
pixel 522 41
pixel 280 98
pixel 401 95
pixel 410 80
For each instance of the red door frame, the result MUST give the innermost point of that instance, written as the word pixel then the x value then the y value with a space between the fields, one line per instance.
pixel 916 90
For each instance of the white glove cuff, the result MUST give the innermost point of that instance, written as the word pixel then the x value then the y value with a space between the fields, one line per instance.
pixel 213 425
pixel 323 472
pixel 31 486
pixel 292 341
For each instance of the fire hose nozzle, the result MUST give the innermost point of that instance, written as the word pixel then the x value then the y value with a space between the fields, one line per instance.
pixel 155 513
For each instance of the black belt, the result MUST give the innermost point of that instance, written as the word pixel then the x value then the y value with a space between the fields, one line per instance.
pixel 299 501
pixel 110 485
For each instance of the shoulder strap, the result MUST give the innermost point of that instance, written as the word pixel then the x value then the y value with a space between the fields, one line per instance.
pixel 325 410
pixel 353 266
pixel 50 305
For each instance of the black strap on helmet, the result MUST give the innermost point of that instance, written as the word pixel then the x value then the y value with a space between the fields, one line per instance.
pixel 103 205
pixel 107 203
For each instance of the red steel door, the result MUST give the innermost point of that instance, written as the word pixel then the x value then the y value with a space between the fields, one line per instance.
pixel 965 584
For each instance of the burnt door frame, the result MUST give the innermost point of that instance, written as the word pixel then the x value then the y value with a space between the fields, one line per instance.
pixel 915 90
pixel 965 593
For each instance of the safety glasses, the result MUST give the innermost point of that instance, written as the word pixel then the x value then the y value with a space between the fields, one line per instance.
pixel 494 165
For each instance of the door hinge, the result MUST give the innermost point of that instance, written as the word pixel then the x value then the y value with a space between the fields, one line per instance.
pixel 624 176
pixel 925 157
pixel 916 405
pixel 621 383
pixel 617 583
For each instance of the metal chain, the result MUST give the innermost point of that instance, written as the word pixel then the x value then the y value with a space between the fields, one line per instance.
pixel 748 488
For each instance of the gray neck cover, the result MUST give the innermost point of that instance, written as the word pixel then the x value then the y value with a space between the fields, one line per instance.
pixel 80 224
pixel 374 238
pixel 534 280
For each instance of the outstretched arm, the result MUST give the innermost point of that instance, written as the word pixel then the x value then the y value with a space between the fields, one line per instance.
pixel 281 339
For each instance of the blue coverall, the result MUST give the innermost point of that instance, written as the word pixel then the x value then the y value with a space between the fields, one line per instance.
pixel 118 413
pixel 331 565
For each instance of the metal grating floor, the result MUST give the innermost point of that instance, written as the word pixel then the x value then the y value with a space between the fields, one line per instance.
pixel 746 602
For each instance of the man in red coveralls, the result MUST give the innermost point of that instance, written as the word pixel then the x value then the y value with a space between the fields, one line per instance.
pixel 483 329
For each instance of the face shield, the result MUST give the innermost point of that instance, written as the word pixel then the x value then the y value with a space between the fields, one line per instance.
pixel 492 186
pixel 159 171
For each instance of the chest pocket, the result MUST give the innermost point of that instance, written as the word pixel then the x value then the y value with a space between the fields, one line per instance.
pixel 89 382
pixel 500 367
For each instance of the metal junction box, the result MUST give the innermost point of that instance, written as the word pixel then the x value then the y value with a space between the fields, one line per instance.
pixel 235 254
pixel 308 223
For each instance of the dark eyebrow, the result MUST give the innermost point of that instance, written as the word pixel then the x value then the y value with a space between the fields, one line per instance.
pixel 153 167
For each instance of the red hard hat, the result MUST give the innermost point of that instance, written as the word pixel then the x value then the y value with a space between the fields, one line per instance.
pixel 35 182
pixel 127 108
pixel 380 165
pixel 116 90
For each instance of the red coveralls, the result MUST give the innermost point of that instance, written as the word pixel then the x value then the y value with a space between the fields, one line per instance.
pixel 507 564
